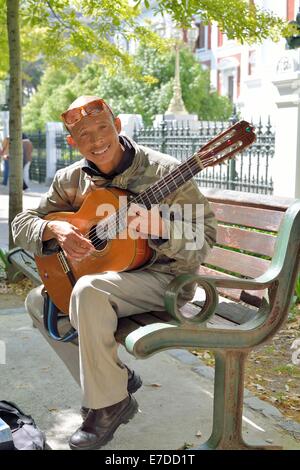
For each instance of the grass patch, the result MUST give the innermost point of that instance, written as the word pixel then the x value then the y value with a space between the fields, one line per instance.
pixel 288 369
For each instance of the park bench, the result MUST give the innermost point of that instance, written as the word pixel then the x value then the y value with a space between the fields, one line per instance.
pixel 253 266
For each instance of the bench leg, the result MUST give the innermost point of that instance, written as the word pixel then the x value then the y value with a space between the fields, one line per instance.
pixel 228 404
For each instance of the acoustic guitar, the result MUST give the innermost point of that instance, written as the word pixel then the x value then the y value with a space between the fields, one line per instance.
pixel 59 273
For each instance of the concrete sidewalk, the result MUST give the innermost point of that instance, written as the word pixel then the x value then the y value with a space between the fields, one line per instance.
pixel 175 401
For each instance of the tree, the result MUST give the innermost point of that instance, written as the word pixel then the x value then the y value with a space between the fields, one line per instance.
pixel 239 19
pixel 147 97
pixel 15 106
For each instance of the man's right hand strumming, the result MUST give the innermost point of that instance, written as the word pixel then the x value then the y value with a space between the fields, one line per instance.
pixel 70 239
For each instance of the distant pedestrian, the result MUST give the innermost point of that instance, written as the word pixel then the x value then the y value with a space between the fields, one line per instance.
pixel 27 159
pixel 4 153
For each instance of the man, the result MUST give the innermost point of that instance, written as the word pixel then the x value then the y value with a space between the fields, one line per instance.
pixel 98 300
pixel 27 158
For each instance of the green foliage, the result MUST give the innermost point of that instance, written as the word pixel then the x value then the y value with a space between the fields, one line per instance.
pixel 55 30
pixel 63 32
pixel 147 95
pixel 239 19
pixel 297 291
pixel 3 40
pixel 4 263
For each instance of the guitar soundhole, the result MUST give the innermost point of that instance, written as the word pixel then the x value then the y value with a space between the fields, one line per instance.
pixel 98 243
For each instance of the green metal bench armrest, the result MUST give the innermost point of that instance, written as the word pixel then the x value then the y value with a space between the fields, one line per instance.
pixel 280 278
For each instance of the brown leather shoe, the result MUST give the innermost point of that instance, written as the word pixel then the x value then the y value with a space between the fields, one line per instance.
pixel 134 383
pixel 99 426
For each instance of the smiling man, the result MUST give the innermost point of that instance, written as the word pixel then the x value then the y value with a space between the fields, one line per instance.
pixel 98 300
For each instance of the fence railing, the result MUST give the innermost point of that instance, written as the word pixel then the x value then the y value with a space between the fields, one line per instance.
pixel 37 170
pixel 250 171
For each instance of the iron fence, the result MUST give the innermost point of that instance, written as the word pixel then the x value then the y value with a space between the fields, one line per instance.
pixel 37 170
pixel 249 171
pixel 65 153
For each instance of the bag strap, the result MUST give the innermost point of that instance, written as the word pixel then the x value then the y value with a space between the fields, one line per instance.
pixel 11 408
pixel 51 318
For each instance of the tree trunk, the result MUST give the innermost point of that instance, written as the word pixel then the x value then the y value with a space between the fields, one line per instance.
pixel 15 114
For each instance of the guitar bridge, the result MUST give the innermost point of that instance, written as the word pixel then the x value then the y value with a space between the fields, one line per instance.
pixel 63 262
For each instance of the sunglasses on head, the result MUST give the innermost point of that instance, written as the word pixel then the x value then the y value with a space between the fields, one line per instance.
pixel 73 116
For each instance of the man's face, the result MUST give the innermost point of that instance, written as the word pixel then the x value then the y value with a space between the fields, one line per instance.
pixel 97 138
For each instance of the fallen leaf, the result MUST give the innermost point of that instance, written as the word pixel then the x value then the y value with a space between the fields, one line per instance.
pixel 259 387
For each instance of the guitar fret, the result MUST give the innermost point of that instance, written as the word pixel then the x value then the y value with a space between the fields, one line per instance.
pixel 147 196
pixel 156 201
pixel 181 174
pixel 161 191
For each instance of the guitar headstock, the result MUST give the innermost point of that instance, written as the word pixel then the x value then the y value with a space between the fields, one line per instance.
pixel 229 142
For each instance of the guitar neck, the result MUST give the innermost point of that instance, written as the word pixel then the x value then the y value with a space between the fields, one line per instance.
pixel 224 146
pixel 169 183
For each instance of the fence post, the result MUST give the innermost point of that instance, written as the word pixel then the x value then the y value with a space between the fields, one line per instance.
pixel 39 160
pixel 164 127
pixel 52 152
pixel 232 165
pixel 286 169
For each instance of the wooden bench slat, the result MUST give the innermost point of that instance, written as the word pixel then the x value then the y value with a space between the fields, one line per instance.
pixel 162 316
pixel 249 217
pixel 220 322
pixel 236 262
pixel 250 199
pixel 144 318
pixel 126 325
pixel 252 297
pixel 255 242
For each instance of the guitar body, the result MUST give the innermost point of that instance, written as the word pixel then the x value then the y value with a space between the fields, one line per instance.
pixel 119 254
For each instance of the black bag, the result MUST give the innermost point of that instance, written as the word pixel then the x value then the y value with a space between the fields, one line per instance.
pixel 25 433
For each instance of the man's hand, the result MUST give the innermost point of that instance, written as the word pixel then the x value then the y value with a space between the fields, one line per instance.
pixel 70 239
pixel 146 222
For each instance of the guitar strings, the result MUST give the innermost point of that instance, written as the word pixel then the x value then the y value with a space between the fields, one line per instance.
pixel 102 233
pixel 113 219
pixel 105 233
pixel 204 154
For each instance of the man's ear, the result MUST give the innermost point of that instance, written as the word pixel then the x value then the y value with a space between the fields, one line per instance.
pixel 71 141
pixel 118 124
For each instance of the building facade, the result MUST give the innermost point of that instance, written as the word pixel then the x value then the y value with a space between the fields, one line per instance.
pixel 245 73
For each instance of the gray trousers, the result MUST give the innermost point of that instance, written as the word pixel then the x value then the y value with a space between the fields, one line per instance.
pixel 96 303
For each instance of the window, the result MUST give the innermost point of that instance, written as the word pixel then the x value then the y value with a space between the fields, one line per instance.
pixel 201 41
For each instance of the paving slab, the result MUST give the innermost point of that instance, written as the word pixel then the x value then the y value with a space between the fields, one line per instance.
pixel 175 400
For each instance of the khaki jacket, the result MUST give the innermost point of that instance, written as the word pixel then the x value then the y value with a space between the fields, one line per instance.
pixel 71 185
